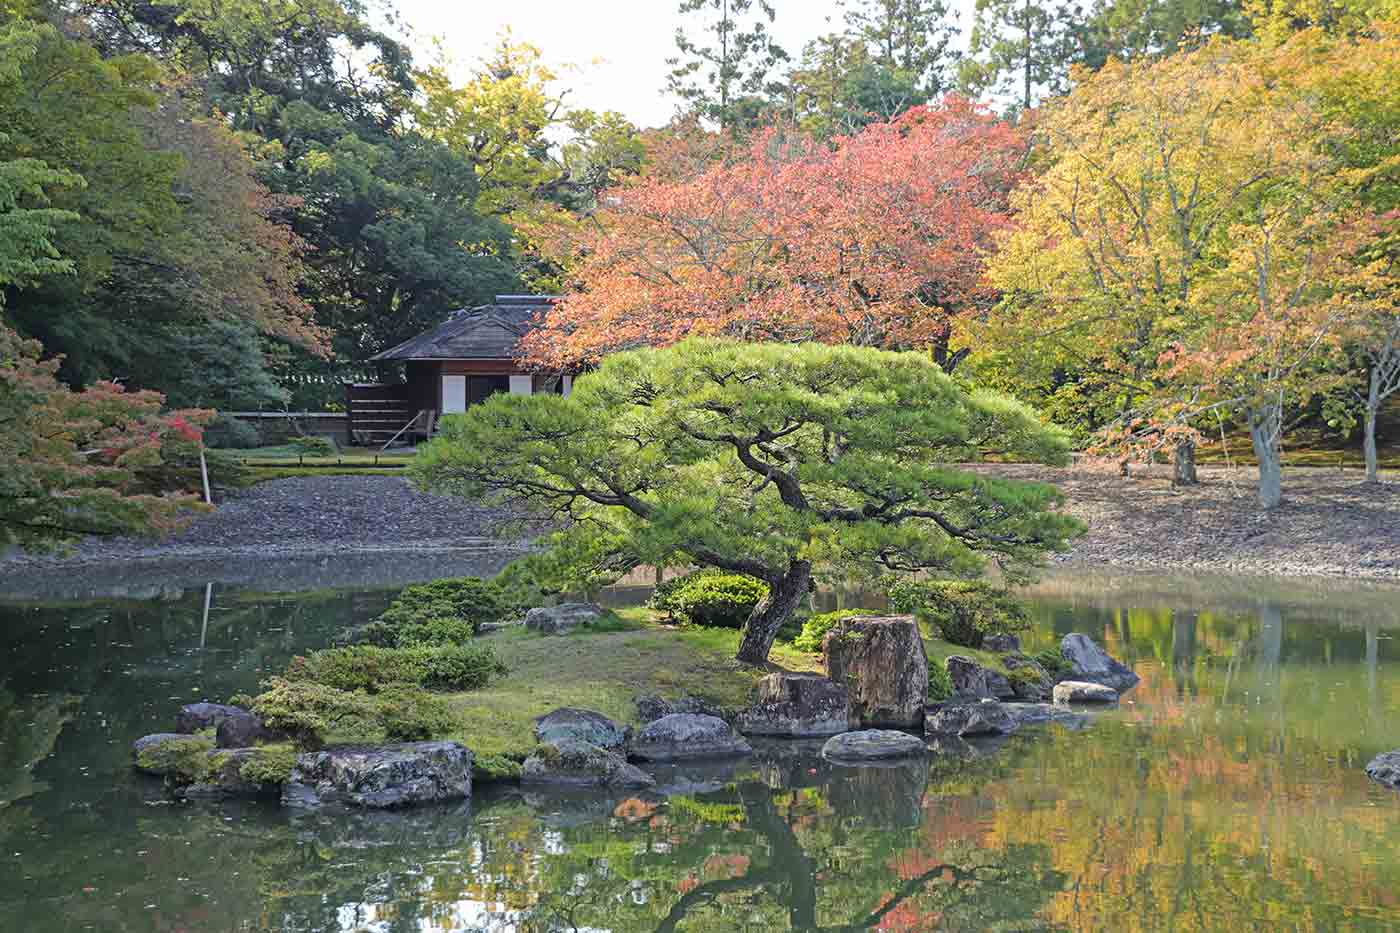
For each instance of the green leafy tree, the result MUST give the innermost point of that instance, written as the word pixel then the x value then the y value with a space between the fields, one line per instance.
pixel 768 460
pixel 909 38
pixel 325 100
pixel 838 88
pixel 727 75
pixel 1020 49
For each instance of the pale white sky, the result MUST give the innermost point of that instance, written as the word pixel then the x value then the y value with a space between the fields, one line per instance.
pixel 619 47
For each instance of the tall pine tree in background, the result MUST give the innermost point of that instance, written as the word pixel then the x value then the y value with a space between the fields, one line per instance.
pixel 725 70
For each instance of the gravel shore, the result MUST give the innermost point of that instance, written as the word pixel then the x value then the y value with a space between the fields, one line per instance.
pixel 306 515
pixel 1329 525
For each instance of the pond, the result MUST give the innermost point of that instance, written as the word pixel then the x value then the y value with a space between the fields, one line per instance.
pixel 1226 792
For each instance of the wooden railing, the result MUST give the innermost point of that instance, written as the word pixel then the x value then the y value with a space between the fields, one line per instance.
pixel 377 412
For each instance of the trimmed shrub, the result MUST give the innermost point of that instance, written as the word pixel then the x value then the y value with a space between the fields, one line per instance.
pixel 231 434
pixel 269 765
pixel 412 714
pixel 815 628
pixel 308 711
pixel 1054 662
pixel 470 598
pixel 372 668
pixel 437 631
pixel 710 597
pixel 312 446
pixel 940 684
pixel 963 611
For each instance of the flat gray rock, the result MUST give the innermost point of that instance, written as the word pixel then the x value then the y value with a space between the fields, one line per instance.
pixel 1032 714
pixel 1077 691
pixel 381 776
pixel 1092 664
pixel 1385 769
pixel 582 724
pixel 561 619
pixel 873 745
pixel 571 762
pixel 987 717
pixel 688 735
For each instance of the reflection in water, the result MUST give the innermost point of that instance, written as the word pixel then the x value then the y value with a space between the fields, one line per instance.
pixel 1227 791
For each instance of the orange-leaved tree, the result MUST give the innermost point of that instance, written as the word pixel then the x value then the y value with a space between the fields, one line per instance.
pixel 876 239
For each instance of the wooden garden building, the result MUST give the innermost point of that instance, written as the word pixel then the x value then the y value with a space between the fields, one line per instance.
pixel 468 357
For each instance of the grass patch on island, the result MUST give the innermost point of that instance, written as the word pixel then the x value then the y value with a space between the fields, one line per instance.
pixel 604 671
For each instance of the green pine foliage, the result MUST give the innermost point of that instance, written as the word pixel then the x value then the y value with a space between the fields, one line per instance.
pixel 963 611
pixel 767 460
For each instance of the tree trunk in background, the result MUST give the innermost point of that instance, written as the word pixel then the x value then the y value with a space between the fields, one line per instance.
pixel 1184 464
pixel 1265 426
pixel 784 596
pixel 1373 404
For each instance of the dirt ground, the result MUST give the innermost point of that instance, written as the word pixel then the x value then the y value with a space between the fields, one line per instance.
pixel 1330 523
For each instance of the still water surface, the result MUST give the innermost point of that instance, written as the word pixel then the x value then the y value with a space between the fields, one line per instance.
pixel 1228 793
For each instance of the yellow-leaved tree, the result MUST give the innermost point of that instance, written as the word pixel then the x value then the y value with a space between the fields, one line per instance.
pixel 1182 246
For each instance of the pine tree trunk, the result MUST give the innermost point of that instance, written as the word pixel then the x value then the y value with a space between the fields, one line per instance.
pixel 1184 464
pixel 784 596
pixel 1373 404
pixel 1265 425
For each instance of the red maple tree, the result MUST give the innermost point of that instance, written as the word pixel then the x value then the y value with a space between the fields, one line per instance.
pixel 876 239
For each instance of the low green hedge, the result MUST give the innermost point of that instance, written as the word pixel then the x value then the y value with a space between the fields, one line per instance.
pixel 710 597
pixel 369 667
pixel 308 711
pixel 444 612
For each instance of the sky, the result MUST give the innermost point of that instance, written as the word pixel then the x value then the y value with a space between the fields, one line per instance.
pixel 615 50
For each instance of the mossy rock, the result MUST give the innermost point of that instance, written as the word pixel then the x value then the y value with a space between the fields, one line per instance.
pixel 495 768
pixel 179 757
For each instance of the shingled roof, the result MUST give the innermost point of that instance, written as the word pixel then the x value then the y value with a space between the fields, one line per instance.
pixel 489 332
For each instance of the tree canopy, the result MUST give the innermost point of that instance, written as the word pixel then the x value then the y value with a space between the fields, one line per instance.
pixel 767 459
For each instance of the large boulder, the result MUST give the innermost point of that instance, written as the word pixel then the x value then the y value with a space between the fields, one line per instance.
pixel 244 730
pixel 561 619
pixel 882 663
pixel 998 686
pixel 1033 686
pixel 969 719
pixel 196 716
pixel 798 706
pixel 688 735
pixel 1092 664
pixel 581 724
pixel 651 708
pixel 1077 691
pixel 1385 769
pixel 1001 643
pixel 969 678
pixel 572 762
pixel 872 745
pixel 380 776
